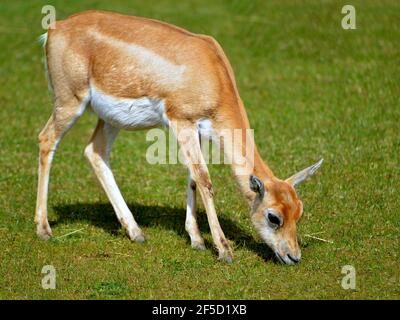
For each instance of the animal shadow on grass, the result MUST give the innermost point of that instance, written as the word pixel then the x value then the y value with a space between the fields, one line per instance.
pixel 102 215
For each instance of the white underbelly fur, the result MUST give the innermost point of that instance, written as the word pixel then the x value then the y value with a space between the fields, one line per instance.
pixel 142 113
pixel 128 114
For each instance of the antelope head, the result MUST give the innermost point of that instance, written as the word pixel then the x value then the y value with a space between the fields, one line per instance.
pixel 276 211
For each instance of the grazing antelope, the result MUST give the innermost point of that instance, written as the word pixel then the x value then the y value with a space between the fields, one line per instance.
pixel 139 73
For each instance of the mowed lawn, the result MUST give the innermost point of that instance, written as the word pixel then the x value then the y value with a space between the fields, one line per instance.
pixel 311 89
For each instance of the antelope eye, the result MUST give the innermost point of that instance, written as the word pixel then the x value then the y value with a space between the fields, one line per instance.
pixel 274 219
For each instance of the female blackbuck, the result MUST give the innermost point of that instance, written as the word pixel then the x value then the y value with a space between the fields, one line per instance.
pixel 139 73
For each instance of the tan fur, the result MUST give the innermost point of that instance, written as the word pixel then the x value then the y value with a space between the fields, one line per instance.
pixel 132 57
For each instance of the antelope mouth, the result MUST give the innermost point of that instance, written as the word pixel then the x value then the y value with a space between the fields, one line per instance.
pixel 280 258
pixel 287 259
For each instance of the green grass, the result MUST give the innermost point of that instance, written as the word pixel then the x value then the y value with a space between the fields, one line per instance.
pixel 311 89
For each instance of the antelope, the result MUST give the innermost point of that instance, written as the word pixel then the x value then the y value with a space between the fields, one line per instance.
pixel 139 73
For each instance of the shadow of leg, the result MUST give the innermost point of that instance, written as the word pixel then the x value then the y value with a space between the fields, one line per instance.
pixel 102 215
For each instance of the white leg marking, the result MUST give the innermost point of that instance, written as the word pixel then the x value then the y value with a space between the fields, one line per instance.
pixel 191 225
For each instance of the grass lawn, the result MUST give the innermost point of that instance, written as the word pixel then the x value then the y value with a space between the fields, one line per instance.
pixel 311 89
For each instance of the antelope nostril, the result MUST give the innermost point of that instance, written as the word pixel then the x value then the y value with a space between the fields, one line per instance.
pixel 295 260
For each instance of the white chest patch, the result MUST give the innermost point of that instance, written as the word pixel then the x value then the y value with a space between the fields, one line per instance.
pixel 128 114
pixel 205 128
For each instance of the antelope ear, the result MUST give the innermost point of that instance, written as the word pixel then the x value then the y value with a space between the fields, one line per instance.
pixel 304 174
pixel 257 186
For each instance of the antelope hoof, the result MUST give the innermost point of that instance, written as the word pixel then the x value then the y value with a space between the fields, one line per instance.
pixel 44 231
pixel 226 256
pixel 198 245
pixel 137 236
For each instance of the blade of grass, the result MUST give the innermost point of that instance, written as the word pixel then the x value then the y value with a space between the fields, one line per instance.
pixel 68 234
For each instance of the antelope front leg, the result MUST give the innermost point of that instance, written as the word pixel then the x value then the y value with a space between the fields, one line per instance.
pixel 187 136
